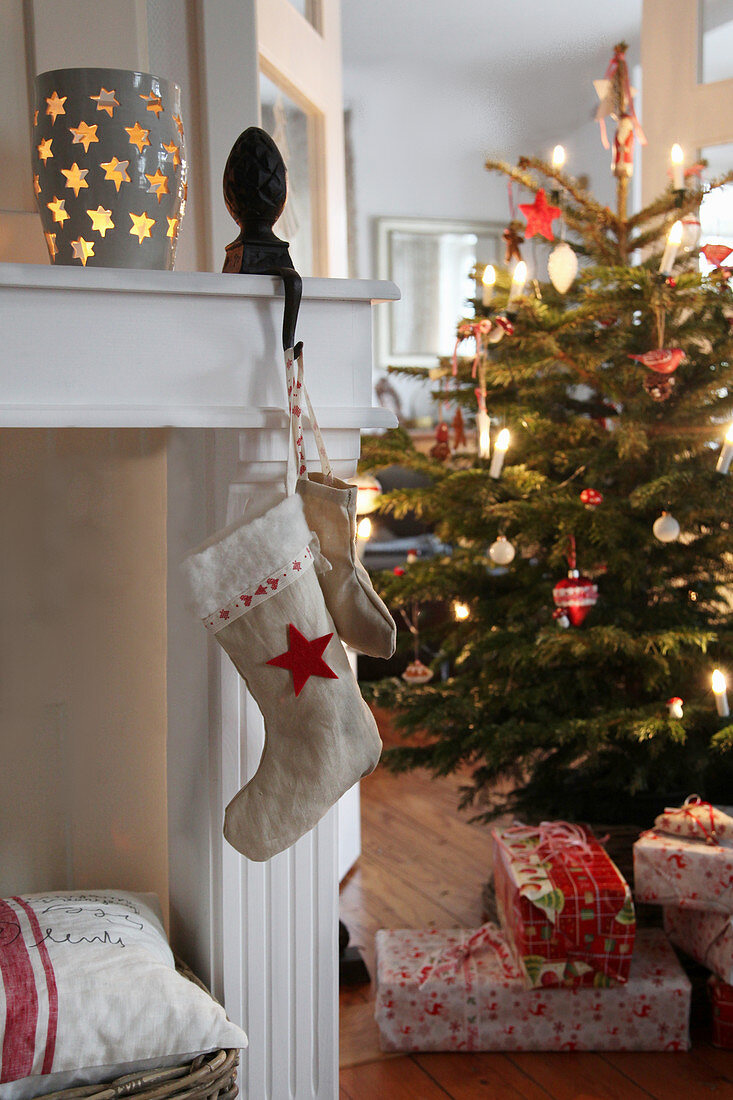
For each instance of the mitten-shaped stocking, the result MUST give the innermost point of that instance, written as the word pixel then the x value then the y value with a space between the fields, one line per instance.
pixel 255 586
pixel 361 618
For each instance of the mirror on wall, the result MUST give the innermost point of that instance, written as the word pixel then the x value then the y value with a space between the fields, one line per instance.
pixel 431 262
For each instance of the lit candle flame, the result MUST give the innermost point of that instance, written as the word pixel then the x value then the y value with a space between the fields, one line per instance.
pixel 676 155
pixel 489 276
pixel 502 440
pixel 519 278
pixel 729 433
pixel 675 234
pixel 364 528
pixel 558 156
pixel 719 682
pixel 461 611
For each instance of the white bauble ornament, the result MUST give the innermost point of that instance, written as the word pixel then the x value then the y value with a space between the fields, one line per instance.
pixel 502 552
pixel 368 489
pixel 562 267
pixel 690 232
pixel 666 528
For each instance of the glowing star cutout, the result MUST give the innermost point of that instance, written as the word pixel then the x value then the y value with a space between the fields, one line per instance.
pixel 158 184
pixel 303 658
pixel 172 227
pixel 116 170
pixel 51 243
pixel 75 177
pixel 58 209
pixel 36 183
pixel 84 135
pixel 101 220
pixel 141 225
pixel 82 250
pixel 179 124
pixel 173 151
pixel 540 215
pixel 138 136
pixel 35 117
pixel 44 149
pixel 55 106
pixel 153 103
pixel 105 101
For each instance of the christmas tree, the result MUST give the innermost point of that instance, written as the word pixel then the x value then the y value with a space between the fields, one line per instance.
pixel 591 558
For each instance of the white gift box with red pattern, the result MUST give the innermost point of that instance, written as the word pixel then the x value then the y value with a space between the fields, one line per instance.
pixel 706 936
pixel 460 990
pixel 690 874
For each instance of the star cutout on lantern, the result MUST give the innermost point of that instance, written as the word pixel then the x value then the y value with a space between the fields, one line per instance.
pixel 58 209
pixel 138 136
pixel 52 249
pixel 82 250
pixel 172 227
pixel 179 124
pixel 75 177
pixel 303 658
pixel 540 215
pixel 55 106
pixel 84 135
pixel 141 225
pixel 116 170
pixel 36 183
pixel 101 220
pixel 153 103
pixel 44 149
pixel 105 101
pixel 172 151
pixel 158 184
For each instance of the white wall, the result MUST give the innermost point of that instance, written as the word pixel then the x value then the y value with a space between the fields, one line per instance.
pixel 420 135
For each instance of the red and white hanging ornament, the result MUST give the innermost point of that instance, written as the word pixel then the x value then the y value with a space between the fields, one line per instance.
pixel 622 155
pixel 591 498
pixel 691 230
pixel 467 330
pixel 574 595
pixel 666 528
pixel 661 360
pixel 417 673
pixel 562 267
pixel 502 327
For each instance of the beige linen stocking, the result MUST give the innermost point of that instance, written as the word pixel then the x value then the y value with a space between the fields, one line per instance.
pixel 256 588
pixel 361 618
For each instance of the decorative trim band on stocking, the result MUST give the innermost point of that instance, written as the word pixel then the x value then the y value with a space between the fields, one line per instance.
pixel 264 590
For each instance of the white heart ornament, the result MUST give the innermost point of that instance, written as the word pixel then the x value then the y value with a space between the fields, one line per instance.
pixel 562 267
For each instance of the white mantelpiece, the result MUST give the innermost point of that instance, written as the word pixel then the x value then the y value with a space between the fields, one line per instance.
pixel 122 349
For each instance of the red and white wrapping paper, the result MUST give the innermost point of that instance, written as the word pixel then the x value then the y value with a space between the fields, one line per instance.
pixel 565 907
pixel 434 993
pixel 696 819
pixel 706 936
pixel 687 873
pixel 721 995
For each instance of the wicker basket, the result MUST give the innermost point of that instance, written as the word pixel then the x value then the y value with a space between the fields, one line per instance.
pixel 207 1077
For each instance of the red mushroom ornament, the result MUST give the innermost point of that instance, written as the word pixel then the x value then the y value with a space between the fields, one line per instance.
pixel 591 498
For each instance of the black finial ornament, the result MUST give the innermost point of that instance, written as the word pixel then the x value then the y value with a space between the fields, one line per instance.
pixel 255 189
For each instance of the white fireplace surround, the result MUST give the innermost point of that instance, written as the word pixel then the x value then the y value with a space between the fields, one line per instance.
pixel 200 355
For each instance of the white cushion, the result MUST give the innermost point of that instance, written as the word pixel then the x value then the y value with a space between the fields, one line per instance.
pixel 89 991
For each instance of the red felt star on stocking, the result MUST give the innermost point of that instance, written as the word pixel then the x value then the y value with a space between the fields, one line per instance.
pixel 304 659
pixel 540 215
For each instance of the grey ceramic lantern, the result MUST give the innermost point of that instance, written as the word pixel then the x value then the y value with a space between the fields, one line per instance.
pixel 109 167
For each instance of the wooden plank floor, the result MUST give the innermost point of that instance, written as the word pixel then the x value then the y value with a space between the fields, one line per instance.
pixel 424 865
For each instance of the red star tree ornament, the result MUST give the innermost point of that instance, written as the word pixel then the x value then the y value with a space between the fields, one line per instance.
pixel 540 215
pixel 303 658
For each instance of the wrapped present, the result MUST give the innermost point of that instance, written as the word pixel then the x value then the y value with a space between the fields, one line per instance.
pixel 697 820
pixel 721 995
pixel 690 874
pixel 565 907
pixel 461 990
pixel 706 936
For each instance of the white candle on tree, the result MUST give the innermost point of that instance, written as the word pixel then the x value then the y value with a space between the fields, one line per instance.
pixel 500 449
pixel 678 167
pixel 488 280
pixel 519 278
pixel 674 240
pixel 726 452
pixel 483 427
pixel 720 693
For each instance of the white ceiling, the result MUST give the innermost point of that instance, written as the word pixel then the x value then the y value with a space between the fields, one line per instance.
pixel 482 35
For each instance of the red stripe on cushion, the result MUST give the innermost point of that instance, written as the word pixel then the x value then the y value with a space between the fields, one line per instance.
pixel 21 999
pixel 53 993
